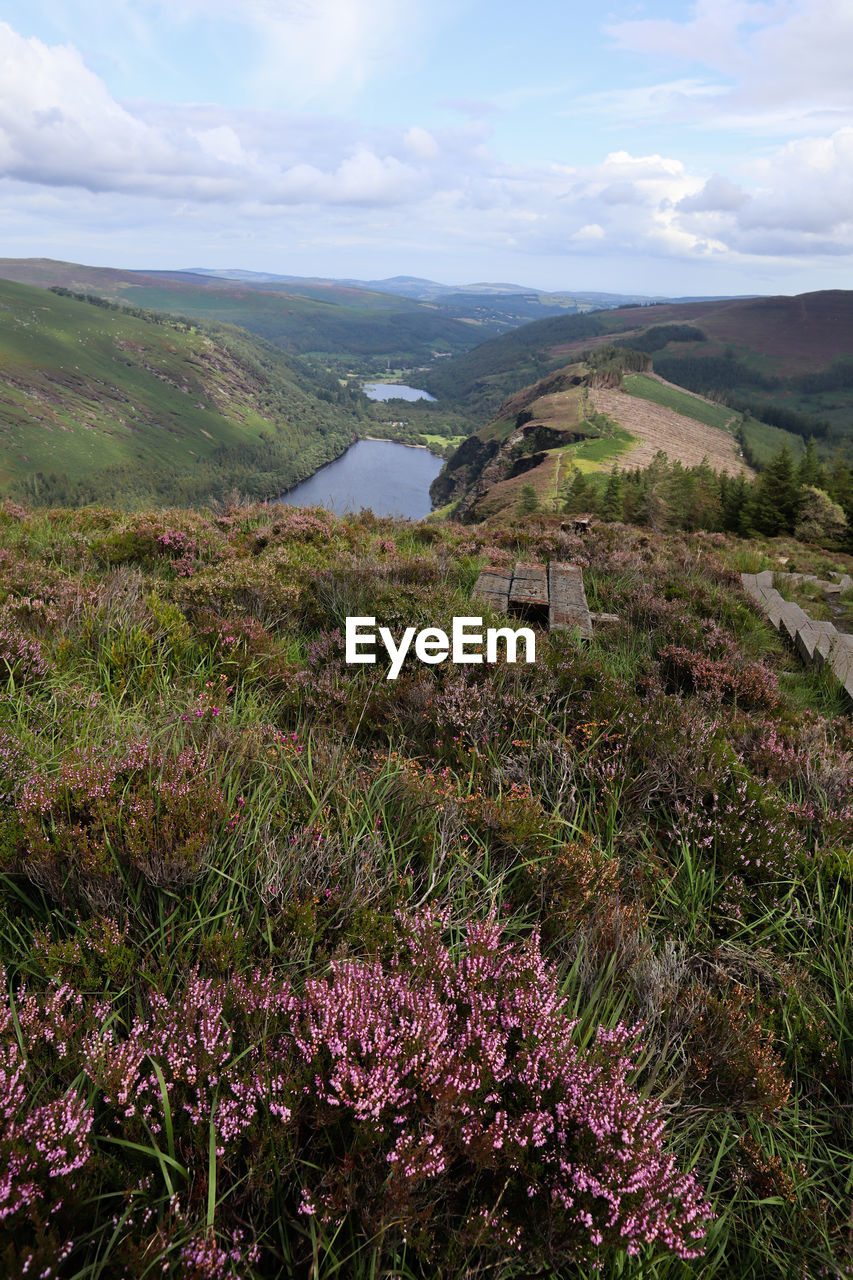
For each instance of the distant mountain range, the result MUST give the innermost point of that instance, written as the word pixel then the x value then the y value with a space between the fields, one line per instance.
pixel 428 290
pixel 355 325
pixel 255 379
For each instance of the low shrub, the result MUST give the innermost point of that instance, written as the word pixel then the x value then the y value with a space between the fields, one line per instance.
pixel 439 1098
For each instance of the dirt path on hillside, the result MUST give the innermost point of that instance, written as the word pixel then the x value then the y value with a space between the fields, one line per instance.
pixel 682 439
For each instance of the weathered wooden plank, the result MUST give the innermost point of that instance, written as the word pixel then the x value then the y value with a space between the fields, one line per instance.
pixel 568 604
pixel 848 685
pixel 493 586
pixel 841 658
pixel 792 617
pixel 530 579
pixel 772 604
pixel 529 586
pixel 817 642
pixel 750 584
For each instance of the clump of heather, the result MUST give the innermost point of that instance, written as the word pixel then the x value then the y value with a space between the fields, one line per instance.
pixel 464 1083
pixel 752 685
pixel 21 656
pixel 139 808
pixel 443 1076
pixel 43 1141
pixel 230 1008
pixel 748 832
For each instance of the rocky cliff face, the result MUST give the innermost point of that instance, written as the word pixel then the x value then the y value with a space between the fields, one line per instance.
pixel 479 464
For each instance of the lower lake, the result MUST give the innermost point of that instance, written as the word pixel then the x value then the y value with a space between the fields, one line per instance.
pixel 394 391
pixel 391 479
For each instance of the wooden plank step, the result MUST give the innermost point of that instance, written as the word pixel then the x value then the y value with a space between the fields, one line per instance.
pixel 841 659
pixel 772 604
pixel 792 617
pixel 569 606
pixel 809 637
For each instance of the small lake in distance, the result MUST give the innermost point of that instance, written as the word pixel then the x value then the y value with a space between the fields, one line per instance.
pixel 394 391
pixel 391 479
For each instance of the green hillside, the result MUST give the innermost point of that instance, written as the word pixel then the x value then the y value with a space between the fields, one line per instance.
pixel 97 403
pixel 314 318
pixel 482 379
pixel 648 388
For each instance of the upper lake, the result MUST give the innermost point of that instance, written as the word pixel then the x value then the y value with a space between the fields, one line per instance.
pixel 394 391
pixel 391 479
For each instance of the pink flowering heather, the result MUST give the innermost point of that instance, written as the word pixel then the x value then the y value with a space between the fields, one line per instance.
pixel 37 1143
pixel 154 811
pixel 205 1075
pixel 21 656
pixel 466 1077
pixel 436 1097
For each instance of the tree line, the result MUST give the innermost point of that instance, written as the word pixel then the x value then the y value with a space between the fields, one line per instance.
pixel 809 499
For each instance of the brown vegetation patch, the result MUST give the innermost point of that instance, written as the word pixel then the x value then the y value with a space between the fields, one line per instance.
pixel 682 439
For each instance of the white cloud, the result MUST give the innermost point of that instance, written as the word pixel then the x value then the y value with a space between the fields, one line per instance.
pixel 59 126
pixel 782 66
pixel 718 195
pixel 803 205
pixel 57 118
pixel 590 232
pixel 421 143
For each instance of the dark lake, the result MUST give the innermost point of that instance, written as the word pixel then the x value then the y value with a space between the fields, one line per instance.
pixel 394 391
pixel 392 479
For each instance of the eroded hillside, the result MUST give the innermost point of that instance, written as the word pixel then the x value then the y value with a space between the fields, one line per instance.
pixel 585 417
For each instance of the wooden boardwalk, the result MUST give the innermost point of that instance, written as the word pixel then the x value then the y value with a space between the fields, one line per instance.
pixel 552 596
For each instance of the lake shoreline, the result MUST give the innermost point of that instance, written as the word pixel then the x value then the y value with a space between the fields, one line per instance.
pixel 388 440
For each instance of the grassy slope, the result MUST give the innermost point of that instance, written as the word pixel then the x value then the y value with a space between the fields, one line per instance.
pixel 681 842
pixel 764 440
pixel 85 388
pixel 349 323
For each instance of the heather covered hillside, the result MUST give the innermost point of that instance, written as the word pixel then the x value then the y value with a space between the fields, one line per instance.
pixel 506 970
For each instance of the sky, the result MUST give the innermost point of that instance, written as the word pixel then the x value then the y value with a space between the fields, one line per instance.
pixel 643 146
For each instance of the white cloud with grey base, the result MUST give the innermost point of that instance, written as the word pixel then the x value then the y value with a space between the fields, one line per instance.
pixel 61 129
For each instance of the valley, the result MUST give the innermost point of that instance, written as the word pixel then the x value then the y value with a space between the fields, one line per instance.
pixel 96 403
pixel 163 397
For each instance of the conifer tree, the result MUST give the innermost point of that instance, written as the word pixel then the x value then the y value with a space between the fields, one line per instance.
pixel 611 504
pixel 580 495
pixel 776 496
pixel 810 470
pixel 735 503
pixel 528 501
